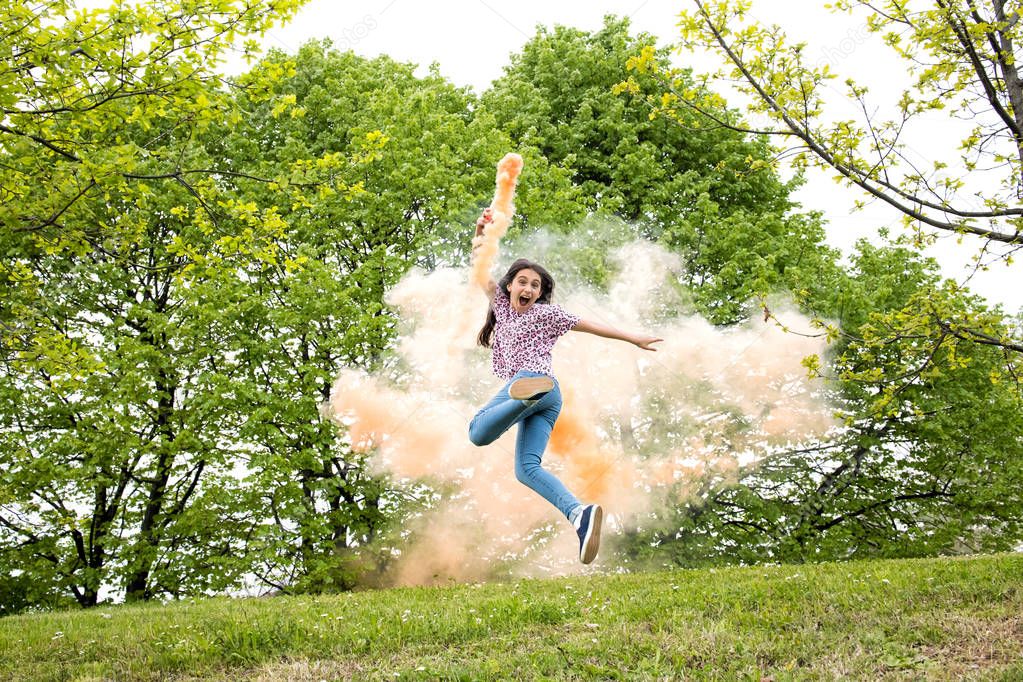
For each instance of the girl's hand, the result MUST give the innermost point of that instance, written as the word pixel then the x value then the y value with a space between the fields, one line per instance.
pixel 646 342
pixel 487 217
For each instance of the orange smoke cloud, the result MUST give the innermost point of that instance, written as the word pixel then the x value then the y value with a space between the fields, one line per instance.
pixel 635 428
pixel 502 210
pixel 590 463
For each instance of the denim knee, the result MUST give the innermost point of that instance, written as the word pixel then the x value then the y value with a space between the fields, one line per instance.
pixel 523 471
pixel 478 436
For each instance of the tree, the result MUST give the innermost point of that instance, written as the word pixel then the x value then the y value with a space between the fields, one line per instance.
pixel 926 459
pixel 116 472
pixel 904 343
pixel 425 164
pixel 962 59
pixel 704 191
pixel 111 466
pixel 161 426
pixel 73 81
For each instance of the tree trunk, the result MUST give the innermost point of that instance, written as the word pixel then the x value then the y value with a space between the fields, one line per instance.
pixel 1010 76
pixel 144 551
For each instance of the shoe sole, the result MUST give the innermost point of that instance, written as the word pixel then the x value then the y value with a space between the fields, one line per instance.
pixel 526 387
pixel 592 541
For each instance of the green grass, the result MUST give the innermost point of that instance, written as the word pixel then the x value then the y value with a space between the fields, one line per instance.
pixel 907 619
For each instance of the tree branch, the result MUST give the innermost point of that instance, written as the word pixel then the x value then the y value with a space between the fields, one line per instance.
pixel 873 186
pixel 46 143
pixel 931 494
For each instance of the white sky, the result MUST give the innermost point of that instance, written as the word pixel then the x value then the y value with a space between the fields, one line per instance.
pixel 471 40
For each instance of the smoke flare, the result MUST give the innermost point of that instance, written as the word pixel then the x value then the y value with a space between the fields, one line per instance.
pixel 502 209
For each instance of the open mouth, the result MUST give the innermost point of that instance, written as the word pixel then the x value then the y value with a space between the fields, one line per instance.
pixel 524 300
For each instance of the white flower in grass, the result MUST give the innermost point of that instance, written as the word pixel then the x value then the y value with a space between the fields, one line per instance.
pixel 57 635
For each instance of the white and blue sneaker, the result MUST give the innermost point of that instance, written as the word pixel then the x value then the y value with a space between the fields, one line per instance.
pixel 587 527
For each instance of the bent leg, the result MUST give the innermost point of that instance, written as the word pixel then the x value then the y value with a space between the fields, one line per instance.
pixel 503 412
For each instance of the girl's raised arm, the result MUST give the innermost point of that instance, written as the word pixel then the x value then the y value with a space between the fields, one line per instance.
pixel 480 224
pixel 641 340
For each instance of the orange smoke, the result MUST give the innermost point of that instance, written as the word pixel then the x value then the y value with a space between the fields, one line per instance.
pixel 592 467
pixel 502 211
pixel 638 432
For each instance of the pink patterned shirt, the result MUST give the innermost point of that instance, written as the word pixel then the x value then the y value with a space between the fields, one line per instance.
pixel 524 340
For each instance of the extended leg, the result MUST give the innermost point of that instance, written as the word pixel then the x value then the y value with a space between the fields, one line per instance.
pixel 534 433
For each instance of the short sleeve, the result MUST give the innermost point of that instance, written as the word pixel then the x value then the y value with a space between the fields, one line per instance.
pixel 560 320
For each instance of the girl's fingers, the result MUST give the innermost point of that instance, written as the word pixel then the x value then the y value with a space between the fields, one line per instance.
pixel 647 344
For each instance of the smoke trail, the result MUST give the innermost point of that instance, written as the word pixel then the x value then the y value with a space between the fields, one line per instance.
pixel 636 428
pixel 502 210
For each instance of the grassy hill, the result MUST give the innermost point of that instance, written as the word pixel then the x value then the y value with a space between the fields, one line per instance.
pixel 906 619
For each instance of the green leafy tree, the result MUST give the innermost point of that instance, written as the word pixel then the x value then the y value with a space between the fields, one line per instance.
pixel 961 57
pixel 926 459
pixel 114 475
pixel 425 168
pixel 116 470
pixel 925 375
pixel 168 342
pixel 702 189
pixel 586 101
pixel 73 82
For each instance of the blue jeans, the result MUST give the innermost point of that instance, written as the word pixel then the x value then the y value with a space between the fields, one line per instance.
pixel 535 423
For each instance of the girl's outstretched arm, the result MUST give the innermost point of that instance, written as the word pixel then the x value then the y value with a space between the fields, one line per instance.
pixel 642 340
pixel 480 224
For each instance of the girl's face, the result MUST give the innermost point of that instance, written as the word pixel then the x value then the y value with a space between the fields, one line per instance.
pixel 524 290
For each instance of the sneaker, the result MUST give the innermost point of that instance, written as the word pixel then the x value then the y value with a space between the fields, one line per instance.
pixel 530 387
pixel 588 530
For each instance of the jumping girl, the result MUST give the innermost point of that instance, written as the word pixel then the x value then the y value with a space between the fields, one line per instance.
pixel 521 328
